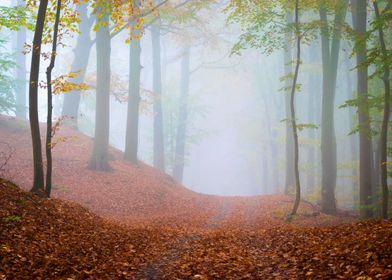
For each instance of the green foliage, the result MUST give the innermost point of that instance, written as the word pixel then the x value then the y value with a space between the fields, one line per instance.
pixel 12 218
pixel 21 202
pixel 269 26
pixel 302 126
pixel 374 55
pixel 7 80
pixel 16 17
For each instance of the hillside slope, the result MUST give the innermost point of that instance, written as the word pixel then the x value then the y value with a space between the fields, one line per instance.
pixel 139 194
pixel 53 239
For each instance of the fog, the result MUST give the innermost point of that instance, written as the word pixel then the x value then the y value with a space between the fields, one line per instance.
pixel 236 130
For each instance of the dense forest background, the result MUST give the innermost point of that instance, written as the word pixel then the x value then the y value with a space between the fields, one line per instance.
pixel 229 98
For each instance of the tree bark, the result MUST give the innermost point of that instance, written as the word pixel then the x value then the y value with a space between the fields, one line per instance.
pixel 386 116
pixel 132 132
pixel 79 64
pixel 314 92
pixel 21 96
pixel 49 70
pixel 179 160
pixel 289 177
pixel 353 137
pixel 99 158
pixel 330 57
pixel 293 115
pixel 38 184
pixel 159 148
pixel 365 144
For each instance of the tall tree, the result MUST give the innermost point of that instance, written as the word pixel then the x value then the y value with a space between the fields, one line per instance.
pixel 79 64
pixel 359 14
pixel 353 137
pixel 21 93
pixel 179 161
pixel 49 70
pixel 293 113
pixel 99 159
pixel 386 114
pixel 314 91
pixel 132 131
pixel 158 141
pixel 38 183
pixel 330 58
pixel 289 176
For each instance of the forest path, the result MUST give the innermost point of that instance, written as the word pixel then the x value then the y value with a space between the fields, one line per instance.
pixel 184 244
pixel 166 231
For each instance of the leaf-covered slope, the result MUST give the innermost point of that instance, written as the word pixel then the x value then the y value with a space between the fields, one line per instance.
pixel 139 194
pixel 53 239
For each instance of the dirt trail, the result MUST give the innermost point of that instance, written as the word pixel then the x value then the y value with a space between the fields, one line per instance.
pixel 184 244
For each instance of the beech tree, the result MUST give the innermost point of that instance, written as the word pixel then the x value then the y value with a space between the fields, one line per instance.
pixel 179 160
pixel 330 57
pixel 158 149
pixel 380 24
pixel 268 26
pixel 49 131
pixel 359 14
pixel 38 183
pixel 293 114
pixel 42 28
pixel 21 93
pixel 79 64
pixel 132 131
pixel 99 158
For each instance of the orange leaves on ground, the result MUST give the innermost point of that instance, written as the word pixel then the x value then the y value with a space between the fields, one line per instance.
pixel 168 232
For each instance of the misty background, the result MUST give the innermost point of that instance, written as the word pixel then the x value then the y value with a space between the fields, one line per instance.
pixel 236 130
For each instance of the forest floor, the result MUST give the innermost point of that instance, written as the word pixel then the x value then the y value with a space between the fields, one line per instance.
pixel 137 223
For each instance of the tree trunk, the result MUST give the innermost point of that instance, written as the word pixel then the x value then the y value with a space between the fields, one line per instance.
pixel 99 158
pixel 21 102
pixel 314 92
pixel 289 177
pixel 365 143
pixel 159 150
pixel 270 151
pixel 293 116
pixel 132 133
pixel 353 137
pixel 330 57
pixel 386 116
pixel 79 64
pixel 179 160
pixel 50 103
pixel 38 184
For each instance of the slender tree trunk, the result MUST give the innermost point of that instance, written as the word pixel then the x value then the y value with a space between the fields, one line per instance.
pixel 38 184
pixel 376 173
pixel 132 132
pixel 79 64
pixel 21 95
pixel 50 103
pixel 99 158
pixel 353 137
pixel 386 116
pixel 289 177
pixel 271 152
pixel 159 150
pixel 179 160
pixel 293 116
pixel 365 144
pixel 330 57
pixel 314 91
